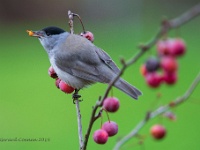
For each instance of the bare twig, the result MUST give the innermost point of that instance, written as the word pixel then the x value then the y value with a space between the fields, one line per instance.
pixel 165 27
pixel 71 24
pixel 78 113
pixel 159 111
pixel 76 96
pixel 80 133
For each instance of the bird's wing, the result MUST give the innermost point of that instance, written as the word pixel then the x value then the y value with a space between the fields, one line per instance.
pixel 83 59
pixel 107 60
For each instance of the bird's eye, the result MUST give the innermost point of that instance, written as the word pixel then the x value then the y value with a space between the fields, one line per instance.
pixel 48 34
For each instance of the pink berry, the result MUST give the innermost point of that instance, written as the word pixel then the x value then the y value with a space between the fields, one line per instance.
pixel 88 35
pixel 177 47
pixel 52 73
pixel 110 127
pixel 100 136
pixel 170 78
pixel 65 87
pixel 57 82
pixel 171 47
pixel 163 47
pixel 111 104
pixel 158 131
pixel 153 79
pixel 169 64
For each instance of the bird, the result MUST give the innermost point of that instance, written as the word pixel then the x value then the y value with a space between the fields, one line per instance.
pixel 78 62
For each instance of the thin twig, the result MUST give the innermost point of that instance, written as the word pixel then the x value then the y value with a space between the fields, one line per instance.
pixel 71 24
pixel 78 113
pixel 76 97
pixel 165 27
pixel 159 111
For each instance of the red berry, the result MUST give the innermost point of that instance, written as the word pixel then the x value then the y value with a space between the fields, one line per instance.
pixel 153 79
pixel 65 87
pixel 169 64
pixel 172 47
pixel 88 35
pixel 177 47
pixel 110 127
pixel 158 131
pixel 170 78
pixel 111 104
pixel 163 47
pixel 57 82
pixel 152 64
pixel 52 73
pixel 100 136
pixel 143 70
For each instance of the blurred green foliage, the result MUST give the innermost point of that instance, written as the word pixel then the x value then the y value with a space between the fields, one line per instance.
pixel 32 107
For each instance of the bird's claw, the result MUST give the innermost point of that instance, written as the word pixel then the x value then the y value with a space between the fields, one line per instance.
pixel 76 97
pixel 74 100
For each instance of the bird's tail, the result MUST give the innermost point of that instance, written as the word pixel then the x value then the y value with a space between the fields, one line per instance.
pixel 127 88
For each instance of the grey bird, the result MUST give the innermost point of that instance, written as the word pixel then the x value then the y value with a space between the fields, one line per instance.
pixel 78 62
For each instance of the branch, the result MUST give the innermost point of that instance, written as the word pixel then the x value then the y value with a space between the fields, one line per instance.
pixel 158 111
pixel 165 27
pixel 75 95
pixel 71 23
pixel 80 135
pixel 78 113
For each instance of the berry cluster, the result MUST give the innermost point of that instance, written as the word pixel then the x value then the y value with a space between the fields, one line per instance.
pixel 109 128
pixel 59 83
pixel 63 86
pixel 163 69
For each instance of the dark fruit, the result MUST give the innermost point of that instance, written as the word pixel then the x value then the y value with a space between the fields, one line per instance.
pixel 152 64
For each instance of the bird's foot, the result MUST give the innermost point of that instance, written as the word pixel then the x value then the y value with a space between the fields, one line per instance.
pixel 76 96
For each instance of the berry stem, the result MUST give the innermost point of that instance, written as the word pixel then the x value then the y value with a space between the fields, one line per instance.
pixel 71 24
pixel 107 115
pixel 79 18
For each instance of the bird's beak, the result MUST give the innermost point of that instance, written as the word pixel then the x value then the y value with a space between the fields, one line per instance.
pixel 35 33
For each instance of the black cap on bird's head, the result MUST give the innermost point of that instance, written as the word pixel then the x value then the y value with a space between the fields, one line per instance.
pixel 51 30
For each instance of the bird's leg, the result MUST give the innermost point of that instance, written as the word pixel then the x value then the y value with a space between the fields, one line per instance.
pixel 76 96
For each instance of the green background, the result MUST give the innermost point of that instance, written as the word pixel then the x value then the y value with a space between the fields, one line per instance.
pixel 32 107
